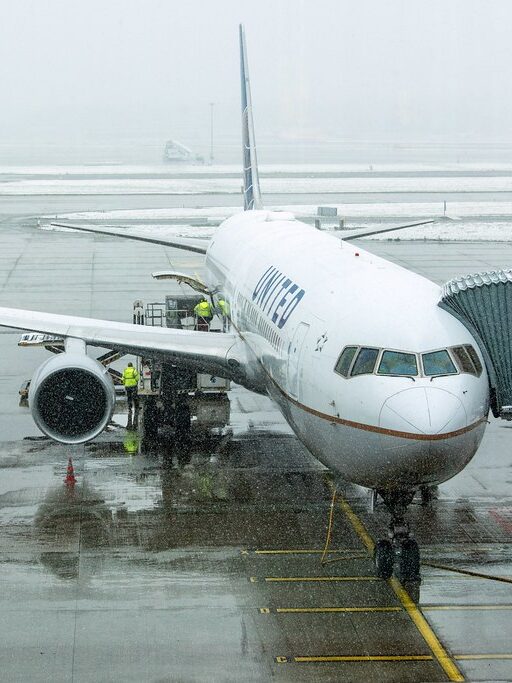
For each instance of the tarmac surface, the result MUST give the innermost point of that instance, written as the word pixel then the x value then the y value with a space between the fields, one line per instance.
pixel 152 569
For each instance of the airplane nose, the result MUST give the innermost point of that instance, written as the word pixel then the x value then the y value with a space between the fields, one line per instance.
pixel 423 410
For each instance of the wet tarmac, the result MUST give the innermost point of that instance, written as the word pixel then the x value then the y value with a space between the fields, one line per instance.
pixel 205 564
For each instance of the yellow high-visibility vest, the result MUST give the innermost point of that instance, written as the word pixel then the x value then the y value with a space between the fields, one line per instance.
pixel 130 377
pixel 224 307
pixel 203 309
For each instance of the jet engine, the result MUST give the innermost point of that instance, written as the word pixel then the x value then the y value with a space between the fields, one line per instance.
pixel 72 396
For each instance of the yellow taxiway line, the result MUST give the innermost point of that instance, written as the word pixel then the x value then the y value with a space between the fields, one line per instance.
pixel 296 579
pixel 366 658
pixel 327 610
pixel 439 652
pixel 306 551
pixel 387 658
pixel 383 608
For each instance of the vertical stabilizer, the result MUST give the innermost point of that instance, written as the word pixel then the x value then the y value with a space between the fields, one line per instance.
pixel 251 189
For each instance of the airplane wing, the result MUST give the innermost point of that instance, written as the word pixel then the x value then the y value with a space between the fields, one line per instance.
pixel 189 244
pixel 369 233
pixel 202 351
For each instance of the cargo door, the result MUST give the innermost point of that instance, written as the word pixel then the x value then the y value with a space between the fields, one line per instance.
pixel 295 358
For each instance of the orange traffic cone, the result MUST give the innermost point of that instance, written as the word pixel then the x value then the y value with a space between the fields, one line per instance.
pixel 70 479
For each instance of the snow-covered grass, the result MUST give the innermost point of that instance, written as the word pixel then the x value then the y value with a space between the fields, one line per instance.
pixel 295 186
pixel 222 169
pixel 348 211
pixel 449 231
pixel 469 226
pixel 148 230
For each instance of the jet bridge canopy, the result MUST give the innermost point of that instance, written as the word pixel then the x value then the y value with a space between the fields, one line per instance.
pixel 483 303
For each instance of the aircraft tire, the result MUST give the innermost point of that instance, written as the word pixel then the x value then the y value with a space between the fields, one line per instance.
pixel 408 561
pixel 150 420
pixel 182 422
pixel 383 558
pixel 183 418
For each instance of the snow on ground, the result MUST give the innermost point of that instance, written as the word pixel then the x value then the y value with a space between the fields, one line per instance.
pixel 464 229
pixel 220 212
pixel 449 231
pixel 148 230
pixel 348 211
pixel 221 169
pixel 131 186
pixel 124 186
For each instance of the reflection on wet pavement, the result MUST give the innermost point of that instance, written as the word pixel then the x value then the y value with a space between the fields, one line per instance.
pixel 166 571
pixel 203 563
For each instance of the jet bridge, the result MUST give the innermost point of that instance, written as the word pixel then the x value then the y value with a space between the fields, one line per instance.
pixel 483 303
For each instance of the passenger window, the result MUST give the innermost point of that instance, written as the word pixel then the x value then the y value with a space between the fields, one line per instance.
pixel 365 362
pixel 464 360
pixel 343 364
pixel 438 363
pixel 474 357
pixel 398 363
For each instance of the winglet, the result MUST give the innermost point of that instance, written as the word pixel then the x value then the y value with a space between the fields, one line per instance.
pixel 251 188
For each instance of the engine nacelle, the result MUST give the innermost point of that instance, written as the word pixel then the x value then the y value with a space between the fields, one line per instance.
pixel 72 397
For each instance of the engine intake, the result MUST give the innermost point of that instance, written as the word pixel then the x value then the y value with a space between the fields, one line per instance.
pixel 72 398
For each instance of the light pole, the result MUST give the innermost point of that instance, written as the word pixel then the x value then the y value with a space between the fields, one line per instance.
pixel 212 105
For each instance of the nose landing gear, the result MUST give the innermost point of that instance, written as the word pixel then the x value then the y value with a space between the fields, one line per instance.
pixel 400 551
pixel 384 559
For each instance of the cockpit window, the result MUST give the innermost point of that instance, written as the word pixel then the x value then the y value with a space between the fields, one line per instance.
pixel 464 360
pixel 474 357
pixel 362 360
pixel 365 361
pixel 397 363
pixel 438 363
pixel 343 364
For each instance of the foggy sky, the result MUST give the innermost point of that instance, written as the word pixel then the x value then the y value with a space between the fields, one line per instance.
pixel 344 69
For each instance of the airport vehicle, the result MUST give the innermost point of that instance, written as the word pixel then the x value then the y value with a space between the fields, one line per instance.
pixel 171 395
pixel 176 153
pixel 380 383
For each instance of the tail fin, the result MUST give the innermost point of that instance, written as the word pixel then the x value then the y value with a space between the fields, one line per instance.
pixel 251 189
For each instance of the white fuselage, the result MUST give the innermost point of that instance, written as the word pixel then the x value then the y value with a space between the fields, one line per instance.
pixel 297 297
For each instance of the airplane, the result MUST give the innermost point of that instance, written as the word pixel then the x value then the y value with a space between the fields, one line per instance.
pixel 384 387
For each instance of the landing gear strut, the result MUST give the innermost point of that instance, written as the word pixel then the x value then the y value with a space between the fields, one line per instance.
pixel 400 551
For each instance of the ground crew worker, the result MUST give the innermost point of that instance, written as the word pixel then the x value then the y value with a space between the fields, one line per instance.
pixel 224 310
pixel 130 381
pixel 203 311
pixel 223 307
